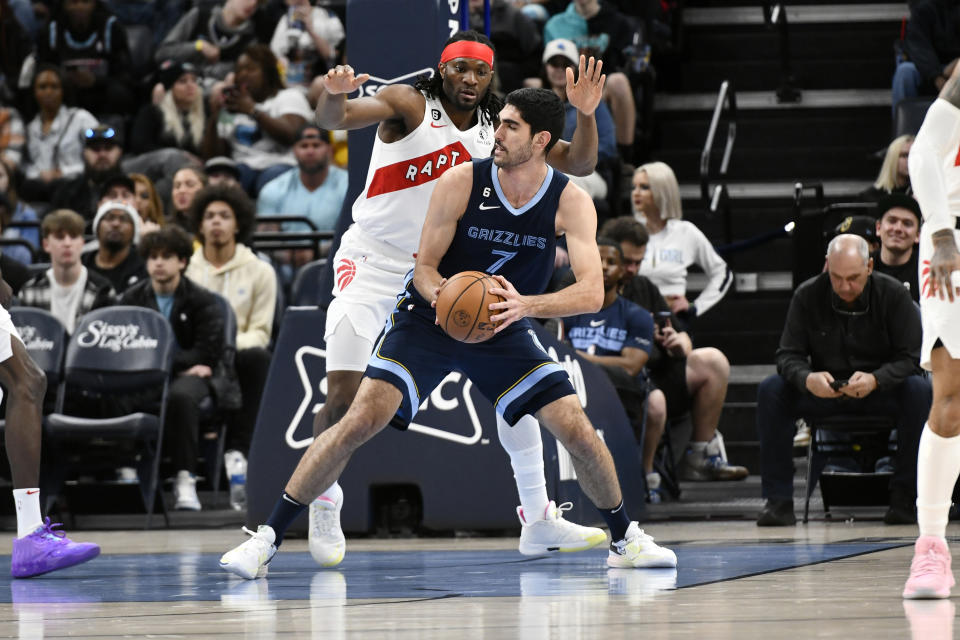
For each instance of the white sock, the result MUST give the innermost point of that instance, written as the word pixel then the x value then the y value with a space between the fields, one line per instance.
pixel 938 465
pixel 522 442
pixel 333 493
pixel 28 511
pixel 653 480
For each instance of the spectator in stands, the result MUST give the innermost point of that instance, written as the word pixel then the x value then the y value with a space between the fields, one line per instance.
pixel 67 289
pixel 932 47
pixel 102 151
pixel 684 379
pixel 13 136
pixel 516 37
pixel 675 244
pixel 850 346
pixel 222 170
pixel 601 31
pixel 863 226
pixel 306 41
pixel 55 136
pixel 178 119
pixel 223 218
pixel 187 182
pixel 211 38
pixel 899 232
pixel 197 321
pixel 119 188
pixel 90 44
pixel 147 203
pixel 17 211
pixel 558 56
pixel 117 227
pixel 894 174
pixel 617 338
pixel 313 188
pixel 255 119
pixel 17 34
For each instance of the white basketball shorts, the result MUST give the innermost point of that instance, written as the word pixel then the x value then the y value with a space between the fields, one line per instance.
pixel 941 318
pixel 368 275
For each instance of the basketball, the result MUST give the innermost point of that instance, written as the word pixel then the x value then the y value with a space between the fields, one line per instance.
pixel 463 306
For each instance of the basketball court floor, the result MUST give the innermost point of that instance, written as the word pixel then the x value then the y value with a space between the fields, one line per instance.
pixel 822 580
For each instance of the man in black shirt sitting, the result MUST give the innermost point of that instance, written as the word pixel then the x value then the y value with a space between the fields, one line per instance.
pixel 899 231
pixel 117 227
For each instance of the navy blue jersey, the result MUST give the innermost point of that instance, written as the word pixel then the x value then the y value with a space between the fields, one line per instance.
pixel 608 331
pixel 494 237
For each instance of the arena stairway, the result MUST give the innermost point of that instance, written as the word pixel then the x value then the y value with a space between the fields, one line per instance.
pixel 842 58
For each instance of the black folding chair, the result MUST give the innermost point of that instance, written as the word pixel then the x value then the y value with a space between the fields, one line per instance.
pixel 115 350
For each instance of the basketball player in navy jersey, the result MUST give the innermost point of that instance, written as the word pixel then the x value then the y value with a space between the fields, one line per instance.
pixel 500 215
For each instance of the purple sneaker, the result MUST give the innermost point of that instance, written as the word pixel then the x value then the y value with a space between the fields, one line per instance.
pixel 46 550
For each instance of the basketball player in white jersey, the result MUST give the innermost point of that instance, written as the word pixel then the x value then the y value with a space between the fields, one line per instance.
pixel 935 175
pixel 422 132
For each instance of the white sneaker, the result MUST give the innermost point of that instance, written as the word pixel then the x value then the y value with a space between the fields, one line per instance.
pixel 327 544
pixel 638 550
pixel 185 492
pixel 249 560
pixel 553 533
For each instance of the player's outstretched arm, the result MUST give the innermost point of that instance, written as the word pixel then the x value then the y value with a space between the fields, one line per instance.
pixel 578 219
pixel 447 204
pixel 395 102
pixel 579 156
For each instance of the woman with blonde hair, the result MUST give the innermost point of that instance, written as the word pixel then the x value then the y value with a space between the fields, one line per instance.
pixel 894 176
pixel 148 204
pixel 675 243
pixel 177 118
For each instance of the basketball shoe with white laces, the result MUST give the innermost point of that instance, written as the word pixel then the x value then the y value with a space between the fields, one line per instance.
pixel 326 541
pixel 553 533
pixel 639 551
pixel 249 560
pixel 930 574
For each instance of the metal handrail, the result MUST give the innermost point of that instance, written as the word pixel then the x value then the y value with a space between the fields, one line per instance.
pixel 720 196
pixel 775 15
pixel 287 218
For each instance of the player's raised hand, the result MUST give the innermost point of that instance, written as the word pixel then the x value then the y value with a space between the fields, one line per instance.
pixel 512 309
pixel 585 94
pixel 341 79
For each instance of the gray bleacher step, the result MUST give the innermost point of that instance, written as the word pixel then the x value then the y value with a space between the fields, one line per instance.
pixel 812 99
pixel 750 373
pixel 802 14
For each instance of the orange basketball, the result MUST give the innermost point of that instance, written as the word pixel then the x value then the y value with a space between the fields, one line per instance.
pixel 463 306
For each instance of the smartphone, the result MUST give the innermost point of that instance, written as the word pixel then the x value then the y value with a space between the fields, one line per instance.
pixel 836 384
pixel 662 319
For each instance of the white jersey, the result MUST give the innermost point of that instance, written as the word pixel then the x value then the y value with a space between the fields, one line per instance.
pixel 402 174
pixel 935 177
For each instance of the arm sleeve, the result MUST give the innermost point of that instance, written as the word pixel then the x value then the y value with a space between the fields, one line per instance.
pixel 179 43
pixel 919 42
pixel 639 330
pixel 937 140
pixel 793 354
pixel 903 320
pixel 260 323
pixel 719 274
pixel 208 340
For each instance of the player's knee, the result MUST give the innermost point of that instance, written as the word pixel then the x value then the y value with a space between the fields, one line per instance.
pixel 581 440
pixel 945 416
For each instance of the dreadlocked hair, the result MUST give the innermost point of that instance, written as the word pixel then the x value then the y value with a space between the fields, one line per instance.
pixel 488 106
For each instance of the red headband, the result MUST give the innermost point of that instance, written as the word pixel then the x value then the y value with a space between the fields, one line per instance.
pixel 467 49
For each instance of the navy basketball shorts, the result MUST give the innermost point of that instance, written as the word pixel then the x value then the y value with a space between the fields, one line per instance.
pixel 512 369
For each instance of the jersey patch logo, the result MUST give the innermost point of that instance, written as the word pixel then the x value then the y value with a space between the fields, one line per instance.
pixel 597 323
pixel 346 270
pixel 417 171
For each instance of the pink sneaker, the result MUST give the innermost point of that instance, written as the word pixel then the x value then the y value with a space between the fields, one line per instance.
pixel 930 575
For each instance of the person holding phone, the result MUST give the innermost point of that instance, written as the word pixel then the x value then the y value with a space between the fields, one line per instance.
pixel 850 346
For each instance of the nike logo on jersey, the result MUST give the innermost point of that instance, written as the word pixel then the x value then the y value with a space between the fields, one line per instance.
pixel 484 207
pixel 30 493
pixel 437 126
pixel 597 323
